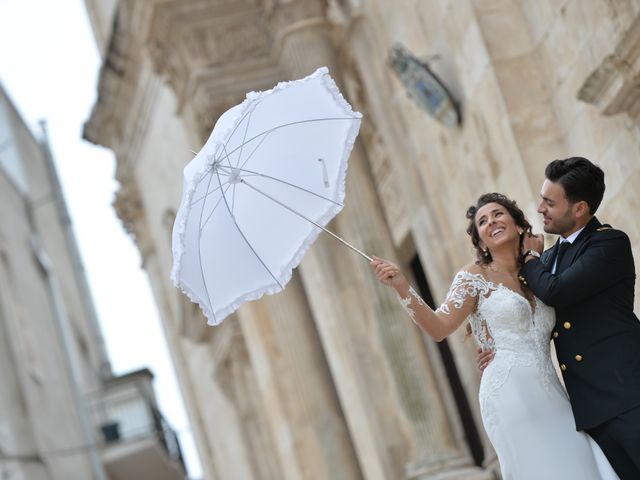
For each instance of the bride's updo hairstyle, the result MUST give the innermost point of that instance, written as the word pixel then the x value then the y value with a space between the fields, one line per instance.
pixel 484 257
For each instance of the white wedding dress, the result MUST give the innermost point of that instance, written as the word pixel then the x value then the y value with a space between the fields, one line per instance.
pixel 525 409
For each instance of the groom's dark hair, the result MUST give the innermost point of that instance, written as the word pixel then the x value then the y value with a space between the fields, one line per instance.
pixel 581 180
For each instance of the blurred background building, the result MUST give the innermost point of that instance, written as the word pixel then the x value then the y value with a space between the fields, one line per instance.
pixel 63 414
pixel 329 379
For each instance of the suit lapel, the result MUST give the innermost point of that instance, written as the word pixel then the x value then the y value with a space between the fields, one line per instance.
pixel 571 253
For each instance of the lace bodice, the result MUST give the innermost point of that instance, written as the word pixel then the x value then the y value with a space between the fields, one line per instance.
pixel 500 318
pixel 506 322
pixel 503 320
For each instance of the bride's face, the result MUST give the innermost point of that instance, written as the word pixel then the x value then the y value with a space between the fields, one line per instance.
pixel 495 226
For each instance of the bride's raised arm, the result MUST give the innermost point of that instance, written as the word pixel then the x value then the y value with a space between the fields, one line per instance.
pixel 461 300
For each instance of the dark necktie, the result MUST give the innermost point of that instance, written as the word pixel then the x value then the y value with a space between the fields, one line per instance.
pixel 562 248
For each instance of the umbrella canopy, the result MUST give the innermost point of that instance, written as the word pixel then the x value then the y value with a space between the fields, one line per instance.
pixel 256 196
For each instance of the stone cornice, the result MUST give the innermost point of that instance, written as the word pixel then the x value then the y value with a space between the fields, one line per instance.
pixel 117 80
pixel 189 37
pixel 614 86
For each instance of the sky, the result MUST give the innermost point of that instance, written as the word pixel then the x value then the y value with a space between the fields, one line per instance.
pixel 49 65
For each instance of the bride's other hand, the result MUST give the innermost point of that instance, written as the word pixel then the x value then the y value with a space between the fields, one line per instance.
pixel 388 273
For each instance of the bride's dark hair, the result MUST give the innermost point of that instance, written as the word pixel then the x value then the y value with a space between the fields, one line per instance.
pixel 512 208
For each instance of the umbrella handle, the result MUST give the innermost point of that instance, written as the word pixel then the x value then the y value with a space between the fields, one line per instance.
pixel 345 242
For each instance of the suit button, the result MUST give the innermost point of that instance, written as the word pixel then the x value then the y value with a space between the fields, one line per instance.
pixel 563 367
pixel 566 325
pixel 578 358
pixel 555 334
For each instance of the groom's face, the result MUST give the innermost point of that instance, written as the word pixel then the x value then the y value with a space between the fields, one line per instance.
pixel 556 210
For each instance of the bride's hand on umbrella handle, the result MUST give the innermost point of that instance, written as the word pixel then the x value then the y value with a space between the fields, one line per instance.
pixel 387 273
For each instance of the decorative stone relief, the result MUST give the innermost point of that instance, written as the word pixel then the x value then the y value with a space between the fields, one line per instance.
pixel 614 86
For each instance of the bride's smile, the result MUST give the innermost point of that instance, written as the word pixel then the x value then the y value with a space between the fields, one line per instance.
pixel 495 226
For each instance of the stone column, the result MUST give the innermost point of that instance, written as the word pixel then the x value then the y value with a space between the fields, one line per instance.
pixel 382 374
pixel 296 388
pixel 236 378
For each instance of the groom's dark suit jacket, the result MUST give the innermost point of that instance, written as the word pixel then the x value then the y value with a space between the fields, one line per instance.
pixel 597 335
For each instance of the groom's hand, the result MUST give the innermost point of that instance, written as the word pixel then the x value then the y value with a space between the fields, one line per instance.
pixel 484 358
pixel 533 242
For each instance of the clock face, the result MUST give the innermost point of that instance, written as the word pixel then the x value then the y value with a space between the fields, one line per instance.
pixel 424 87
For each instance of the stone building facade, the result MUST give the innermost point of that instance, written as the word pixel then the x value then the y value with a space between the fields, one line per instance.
pixel 50 345
pixel 63 414
pixel 329 379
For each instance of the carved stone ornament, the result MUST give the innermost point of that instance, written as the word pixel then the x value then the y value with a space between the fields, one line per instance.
pixel 614 86
pixel 424 86
pixel 191 40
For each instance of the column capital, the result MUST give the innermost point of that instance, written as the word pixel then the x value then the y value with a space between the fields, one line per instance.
pixel 614 86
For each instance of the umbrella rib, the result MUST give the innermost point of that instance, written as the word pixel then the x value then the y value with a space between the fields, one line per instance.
pixel 250 112
pixel 211 167
pixel 255 149
pixel 214 207
pixel 308 220
pixel 233 198
pixel 245 238
pixel 299 122
pixel 244 138
pixel 205 195
pixel 264 175
pixel 200 228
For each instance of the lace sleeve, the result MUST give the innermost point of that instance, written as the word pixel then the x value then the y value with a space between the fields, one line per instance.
pixel 462 298
pixel 406 302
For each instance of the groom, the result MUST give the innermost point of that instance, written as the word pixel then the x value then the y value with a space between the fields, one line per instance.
pixel 589 277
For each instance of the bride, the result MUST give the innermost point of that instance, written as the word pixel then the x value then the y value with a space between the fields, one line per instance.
pixel 525 409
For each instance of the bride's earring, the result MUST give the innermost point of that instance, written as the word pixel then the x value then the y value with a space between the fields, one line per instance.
pixel 485 253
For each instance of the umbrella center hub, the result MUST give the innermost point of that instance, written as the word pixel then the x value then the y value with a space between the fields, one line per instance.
pixel 234 176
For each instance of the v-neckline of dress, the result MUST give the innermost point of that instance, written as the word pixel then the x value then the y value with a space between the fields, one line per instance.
pixel 532 308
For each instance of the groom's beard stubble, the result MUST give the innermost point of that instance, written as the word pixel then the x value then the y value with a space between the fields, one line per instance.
pixel 562 225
